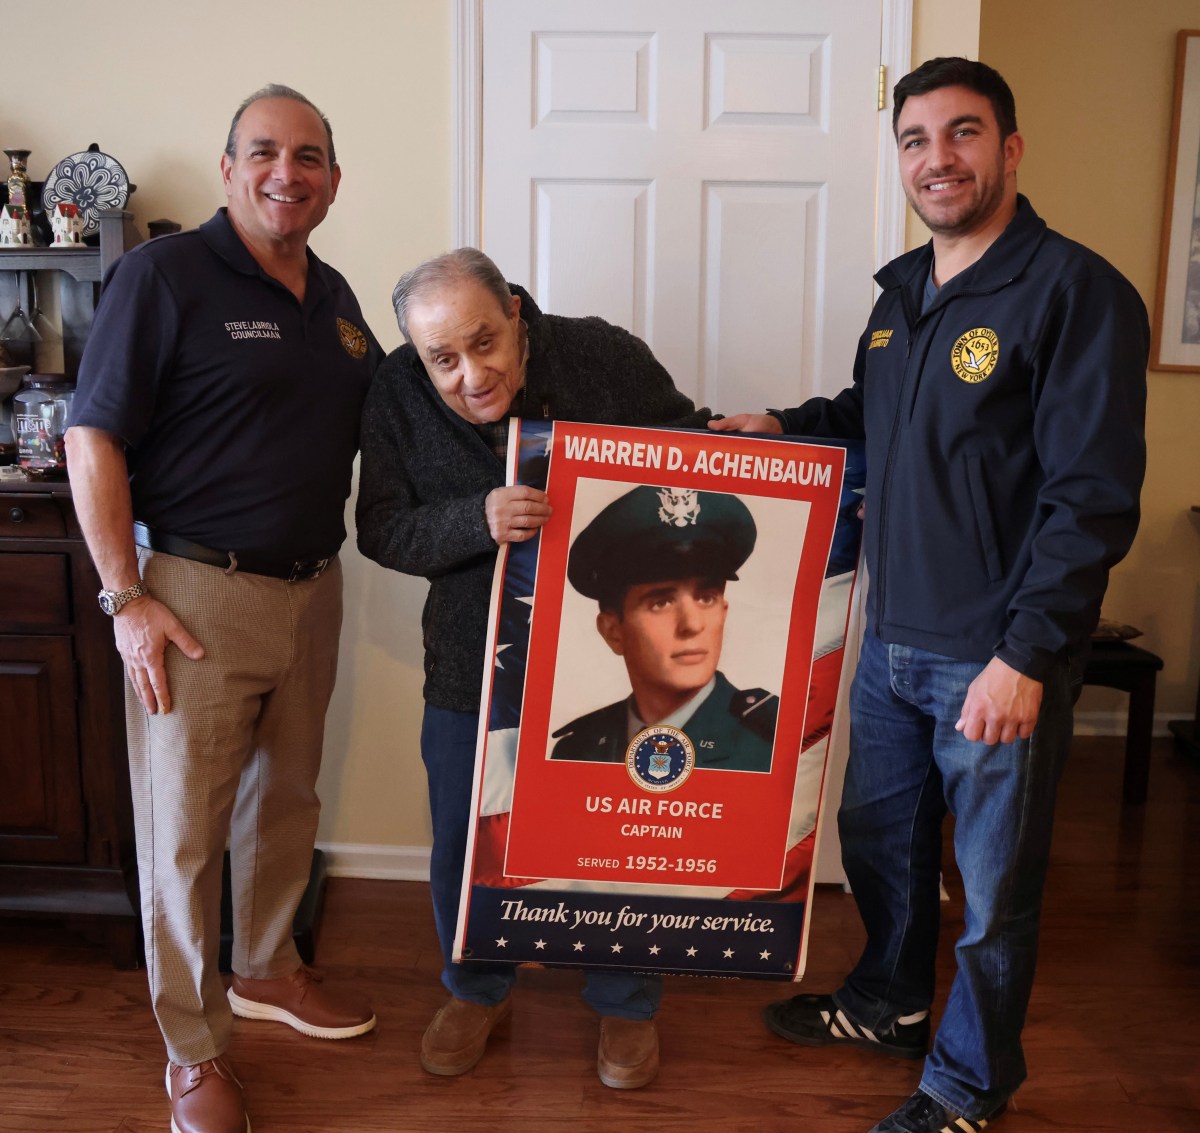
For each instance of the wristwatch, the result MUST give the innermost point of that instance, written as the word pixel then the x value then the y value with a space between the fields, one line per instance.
pixel 112 601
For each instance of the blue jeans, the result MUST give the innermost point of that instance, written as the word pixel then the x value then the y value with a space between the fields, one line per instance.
pixel 448 749
pixel 907 767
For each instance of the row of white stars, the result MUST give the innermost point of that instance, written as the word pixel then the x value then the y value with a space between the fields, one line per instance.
pixel 654 949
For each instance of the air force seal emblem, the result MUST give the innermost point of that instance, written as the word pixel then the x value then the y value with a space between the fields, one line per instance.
pixel 353 341
pixel 660 759
pixel 974 356
pixel 678 507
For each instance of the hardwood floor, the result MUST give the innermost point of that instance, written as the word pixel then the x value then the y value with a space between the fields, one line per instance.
pixel 1112 1039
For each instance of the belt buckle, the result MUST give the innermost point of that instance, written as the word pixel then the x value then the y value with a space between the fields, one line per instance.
pixel 306 572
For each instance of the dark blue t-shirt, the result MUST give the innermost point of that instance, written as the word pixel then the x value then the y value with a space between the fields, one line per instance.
pixel 239 405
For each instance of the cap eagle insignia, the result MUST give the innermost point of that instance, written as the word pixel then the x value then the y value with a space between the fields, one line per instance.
pixel 678 506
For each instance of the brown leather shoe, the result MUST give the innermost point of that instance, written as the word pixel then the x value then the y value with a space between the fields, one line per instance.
pixel 301 1002
pixel 628 1054
pixel 206 1098
pixel 458 1035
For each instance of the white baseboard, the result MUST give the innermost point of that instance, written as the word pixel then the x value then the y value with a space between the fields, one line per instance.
pixel 411 863
pixel 381 863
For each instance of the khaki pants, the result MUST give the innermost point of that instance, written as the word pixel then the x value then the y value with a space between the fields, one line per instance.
pixel 236 758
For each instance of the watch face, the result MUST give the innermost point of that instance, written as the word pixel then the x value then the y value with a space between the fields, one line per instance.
pixel 106 602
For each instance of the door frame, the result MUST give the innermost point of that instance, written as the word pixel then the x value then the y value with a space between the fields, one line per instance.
pixel 467 153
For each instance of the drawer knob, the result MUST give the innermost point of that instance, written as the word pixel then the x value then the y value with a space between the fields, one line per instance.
pixel 16 514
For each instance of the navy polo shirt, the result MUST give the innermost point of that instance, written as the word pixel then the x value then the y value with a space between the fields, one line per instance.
pixel 239 406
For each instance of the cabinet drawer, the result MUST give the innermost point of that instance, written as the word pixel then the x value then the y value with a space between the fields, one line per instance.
pixel 34 592
pixel 30 517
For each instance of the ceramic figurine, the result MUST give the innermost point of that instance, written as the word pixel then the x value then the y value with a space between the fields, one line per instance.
pixel 14 227
pixel 18 179
pixel 67 225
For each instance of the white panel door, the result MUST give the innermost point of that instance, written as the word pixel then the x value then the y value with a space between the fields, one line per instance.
pixel 702 173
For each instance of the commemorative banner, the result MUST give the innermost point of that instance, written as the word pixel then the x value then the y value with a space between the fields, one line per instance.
pixel 665 660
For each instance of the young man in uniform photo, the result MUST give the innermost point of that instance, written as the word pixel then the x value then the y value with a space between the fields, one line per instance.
pixel 657 560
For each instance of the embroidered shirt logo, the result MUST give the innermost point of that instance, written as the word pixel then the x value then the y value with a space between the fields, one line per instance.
pixel 256 329
pixel 880 338
pixel 975 354
pixel 354 342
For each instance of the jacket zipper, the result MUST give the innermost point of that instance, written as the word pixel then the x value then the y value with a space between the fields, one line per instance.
pixel 913 327
pixel 881 581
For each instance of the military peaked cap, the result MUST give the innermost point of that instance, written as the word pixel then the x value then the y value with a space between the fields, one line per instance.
pixel 655 534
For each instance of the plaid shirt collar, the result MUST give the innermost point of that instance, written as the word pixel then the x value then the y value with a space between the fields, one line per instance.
pixel 495 433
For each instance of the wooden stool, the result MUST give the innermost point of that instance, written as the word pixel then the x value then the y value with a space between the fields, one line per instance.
pixel 1117 664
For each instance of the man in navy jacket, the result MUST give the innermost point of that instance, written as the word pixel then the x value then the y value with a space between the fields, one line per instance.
pixel 1000 385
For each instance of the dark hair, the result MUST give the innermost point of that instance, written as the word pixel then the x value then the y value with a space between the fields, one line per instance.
pixel 451 267
pixel 275 90
pixel 954 71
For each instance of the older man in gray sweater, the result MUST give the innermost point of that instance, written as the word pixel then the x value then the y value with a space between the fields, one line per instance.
pixel 433 502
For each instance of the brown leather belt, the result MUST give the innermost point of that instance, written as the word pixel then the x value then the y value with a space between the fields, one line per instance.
pixel 295 570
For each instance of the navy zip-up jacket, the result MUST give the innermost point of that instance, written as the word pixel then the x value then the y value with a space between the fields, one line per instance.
pixel 1005 446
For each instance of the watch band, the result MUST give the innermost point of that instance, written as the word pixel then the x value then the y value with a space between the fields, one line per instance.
pixel 112 601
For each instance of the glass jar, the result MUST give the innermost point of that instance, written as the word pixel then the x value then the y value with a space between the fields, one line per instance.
pixel 8 442
pixel 41 414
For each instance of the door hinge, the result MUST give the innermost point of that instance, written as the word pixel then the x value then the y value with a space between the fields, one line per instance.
pixel 882 93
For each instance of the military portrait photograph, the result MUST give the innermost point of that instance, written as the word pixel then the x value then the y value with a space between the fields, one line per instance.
pixel 676 613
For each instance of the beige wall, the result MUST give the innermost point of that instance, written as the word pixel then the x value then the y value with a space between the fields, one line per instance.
pixel 382 71
pixel 945 27
pixel 155 85
pixel 1094 85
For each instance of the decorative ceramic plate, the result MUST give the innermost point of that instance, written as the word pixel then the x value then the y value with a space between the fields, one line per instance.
pixel 92 181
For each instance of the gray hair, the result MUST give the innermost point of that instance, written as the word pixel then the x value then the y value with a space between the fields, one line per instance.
pixel 275 90
pixel 451 267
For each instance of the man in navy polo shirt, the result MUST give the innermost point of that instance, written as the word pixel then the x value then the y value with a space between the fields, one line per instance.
pixel 210 456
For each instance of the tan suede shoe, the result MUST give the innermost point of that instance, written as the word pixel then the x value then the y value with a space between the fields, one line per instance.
pixel 458 1035
pixel 628 1054
pixel 302 1003
pixel 206 1098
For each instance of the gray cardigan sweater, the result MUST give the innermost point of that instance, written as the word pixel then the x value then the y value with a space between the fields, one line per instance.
pixel 426 473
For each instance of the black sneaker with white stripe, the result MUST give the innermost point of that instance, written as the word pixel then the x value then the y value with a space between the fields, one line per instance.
pixel 921 1114
pixel 816 1020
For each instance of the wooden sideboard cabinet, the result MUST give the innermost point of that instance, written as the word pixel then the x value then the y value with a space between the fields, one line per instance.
pixel 66 823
